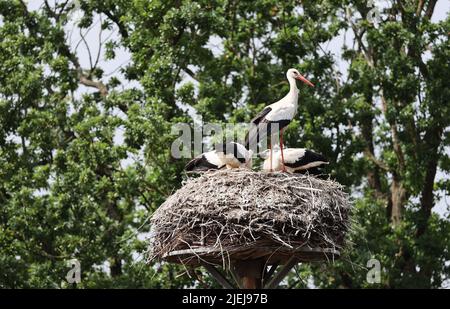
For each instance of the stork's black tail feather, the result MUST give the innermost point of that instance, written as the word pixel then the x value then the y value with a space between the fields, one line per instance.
pixel 256 134
pixel 312 156
pixel 265 128
pixel 252 138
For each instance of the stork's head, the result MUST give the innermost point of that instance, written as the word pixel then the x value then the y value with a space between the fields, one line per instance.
pixel 266 153
pixel 295 74
pixel 276 148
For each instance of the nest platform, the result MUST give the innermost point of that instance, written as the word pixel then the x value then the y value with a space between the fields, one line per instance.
pixel 229 217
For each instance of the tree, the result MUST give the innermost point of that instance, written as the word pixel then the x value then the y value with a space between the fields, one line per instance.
pixel 71 188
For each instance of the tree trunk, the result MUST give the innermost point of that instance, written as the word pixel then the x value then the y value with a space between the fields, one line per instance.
pixel 373 175
pixel 432 141
pixel 398 199
pixel 115 267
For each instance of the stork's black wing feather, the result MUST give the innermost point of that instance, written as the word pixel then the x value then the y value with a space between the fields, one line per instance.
pixel 200 163
pixel 260 116
pixel 309 157
pixel 311 171
pixel 314 171
pixel 231 148
pixel 253 132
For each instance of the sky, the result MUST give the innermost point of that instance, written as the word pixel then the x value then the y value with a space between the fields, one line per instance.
pixel 112 67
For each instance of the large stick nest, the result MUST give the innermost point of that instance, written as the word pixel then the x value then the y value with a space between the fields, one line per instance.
pixel 234 210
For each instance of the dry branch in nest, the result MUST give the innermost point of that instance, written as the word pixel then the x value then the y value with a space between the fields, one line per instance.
pixel 240 214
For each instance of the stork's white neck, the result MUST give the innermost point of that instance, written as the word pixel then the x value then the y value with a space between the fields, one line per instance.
pixel 292 85
pixel 292 96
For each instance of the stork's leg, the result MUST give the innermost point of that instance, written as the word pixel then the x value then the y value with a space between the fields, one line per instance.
pixel 270 147
pixel 281 148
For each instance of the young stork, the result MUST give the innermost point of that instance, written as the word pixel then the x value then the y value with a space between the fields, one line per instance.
pixel 277 115
pixel 296 160
pixel 230 155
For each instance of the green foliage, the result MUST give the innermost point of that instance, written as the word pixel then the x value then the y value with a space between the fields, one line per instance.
pixel 85 157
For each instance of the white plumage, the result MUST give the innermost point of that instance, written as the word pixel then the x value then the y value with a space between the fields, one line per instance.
pixel 233 155
pixel 296 160
pixel 230 155
pixel 276 116
pixel 215 158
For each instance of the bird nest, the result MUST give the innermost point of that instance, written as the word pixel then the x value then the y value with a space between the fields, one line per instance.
pixel 229 215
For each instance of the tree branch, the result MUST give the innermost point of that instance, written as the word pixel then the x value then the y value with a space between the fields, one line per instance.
pixel 87 48
pixel 100 43
pixel 430 9
pixel 377 162
pixel 52 11
pixel 86 81
pixel 420 7
pixel 122 29
pixel 359 38
pixel 190 73
pixel 395 139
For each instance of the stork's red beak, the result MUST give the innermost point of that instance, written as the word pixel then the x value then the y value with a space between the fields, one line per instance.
pixel 303 79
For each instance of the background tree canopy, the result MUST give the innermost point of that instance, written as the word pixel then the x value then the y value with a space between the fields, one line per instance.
pixel 85 150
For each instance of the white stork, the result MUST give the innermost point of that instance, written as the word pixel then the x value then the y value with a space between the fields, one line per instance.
pixel 277 115
pixel 230 155
pixel 296 160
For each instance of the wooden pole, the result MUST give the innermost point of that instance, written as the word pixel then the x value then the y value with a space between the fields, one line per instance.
pixel 250 273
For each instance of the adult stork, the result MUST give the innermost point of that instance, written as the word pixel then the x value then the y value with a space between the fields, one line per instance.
pixel 278 115
pixel 296 160
pixel 230 155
